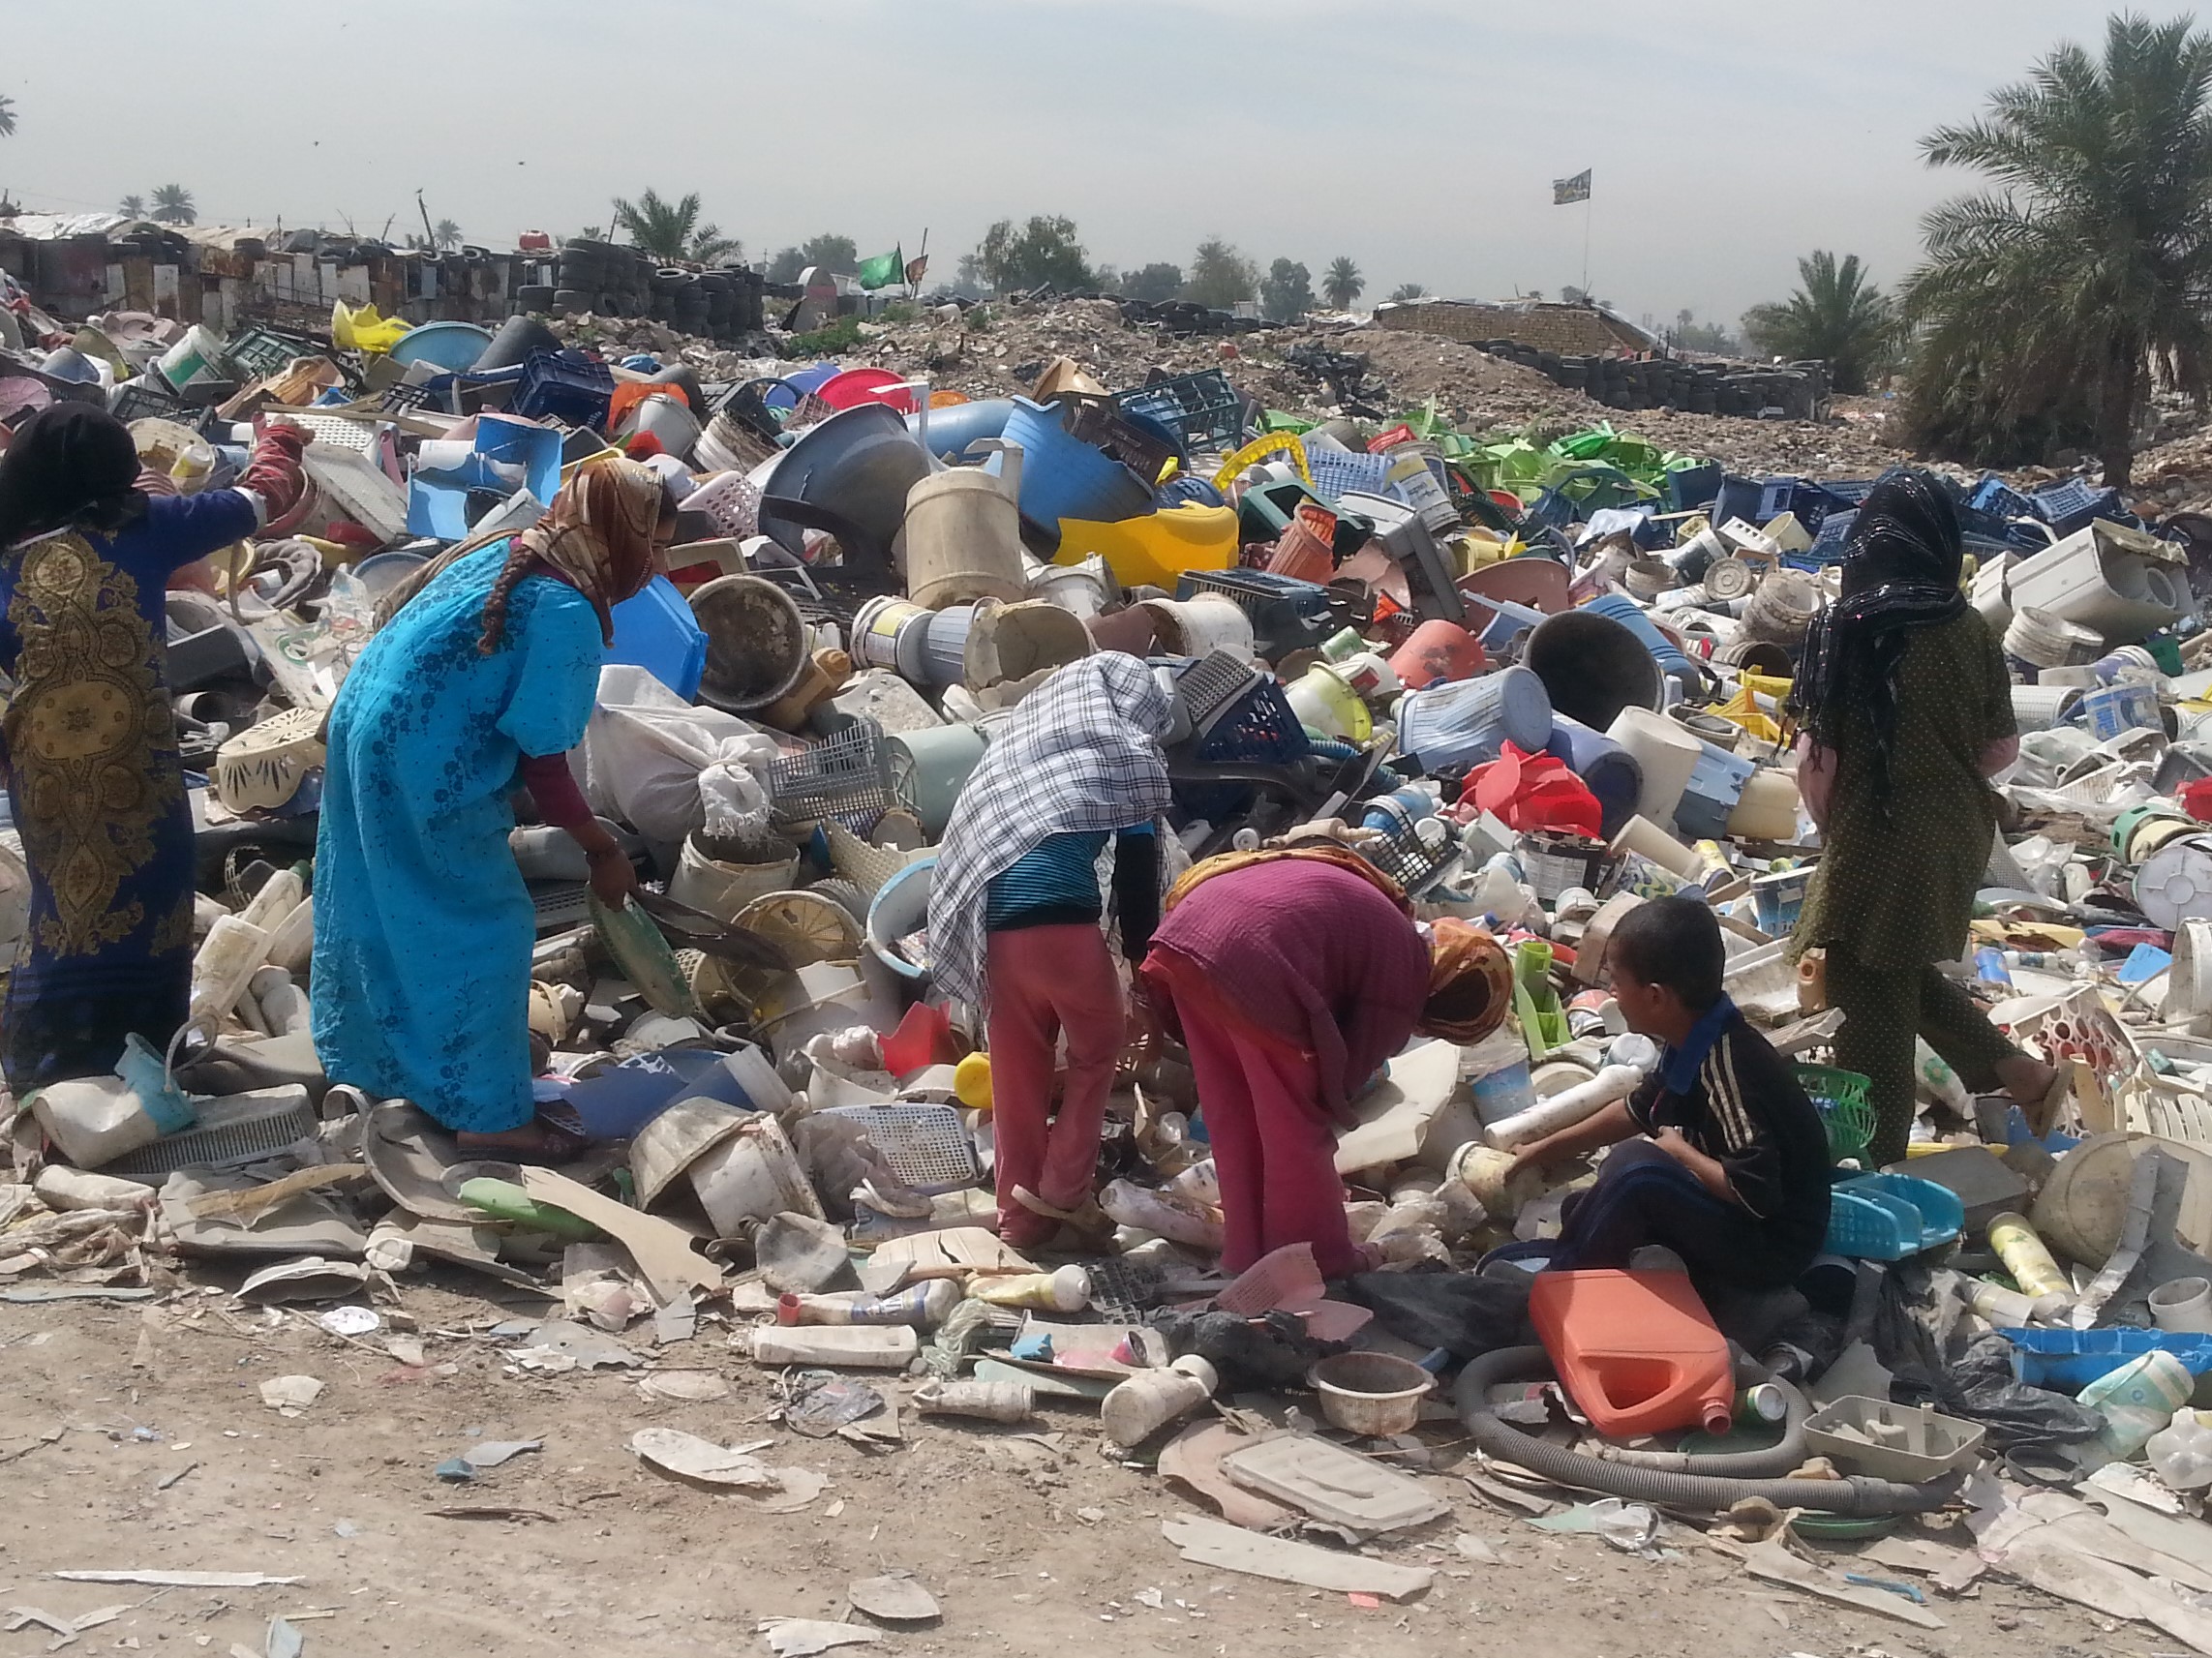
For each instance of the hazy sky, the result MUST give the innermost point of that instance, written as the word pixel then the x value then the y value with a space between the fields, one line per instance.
pixel 1420 137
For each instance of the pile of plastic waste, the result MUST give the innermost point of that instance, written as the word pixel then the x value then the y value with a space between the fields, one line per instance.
pixel 1537 683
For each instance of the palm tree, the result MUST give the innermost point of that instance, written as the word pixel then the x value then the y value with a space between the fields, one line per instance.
pixel 1405 291
pixel 133 207
pixel 1836 315
pixel 444 234
pixel 172 205
pixel 671 230
pixel 7 117
pixel 2050 303
pixel 1343 284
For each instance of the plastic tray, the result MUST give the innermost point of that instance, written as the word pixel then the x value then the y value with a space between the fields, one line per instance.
pixel 1888 1216
pixel 2069 1360
pixel 231 1132
pixel 1934 1446
pixel 927 1145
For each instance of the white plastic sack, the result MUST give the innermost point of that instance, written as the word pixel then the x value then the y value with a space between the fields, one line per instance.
pixel 646 746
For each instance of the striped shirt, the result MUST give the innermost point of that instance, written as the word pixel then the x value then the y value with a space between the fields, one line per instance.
pixel 1737 1100
pixel 1056 882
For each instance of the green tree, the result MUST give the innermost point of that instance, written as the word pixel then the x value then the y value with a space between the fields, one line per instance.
pixel 1836 315
pixel 1156 282
pixel 831 253
pixel 2048 303
pixel 786 265
pixel 445 234
pixel 1288 293
pixel 1042 253
pixel 173 205
pixel 1219 276
pixel 1405 291
pixel 1343 284
pixel 671 230
pixel 133 207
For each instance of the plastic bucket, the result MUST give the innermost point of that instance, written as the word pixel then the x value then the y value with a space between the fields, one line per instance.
pixel 197 359
pixel 2043 640
pixel 721 889
pixel 2039 707
pixel 1667 754
pixel 664 416
pixel 752 1176
pixel 928 768
pixel 756 642
pixel 1079 588
pixel 1435 650
pixel 1767 807
pixel 901 907
pixel 1607 769
pixel 1201 625
pixel 1592 667
pixel 880 630
pixel 1463 721
pixel 1064 477
pixel 1018 642
pixel 1327 703
pixel 2183 1304
pixel 2110 709
pixel 964 534
pixel 453 346
pixel 1782 607
pixel 2173 884
pixel 1372 1394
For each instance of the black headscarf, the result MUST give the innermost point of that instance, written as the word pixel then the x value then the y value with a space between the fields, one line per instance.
pixel 69 466
pixel 1900 571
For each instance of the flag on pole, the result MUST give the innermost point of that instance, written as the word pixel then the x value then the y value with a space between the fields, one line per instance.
pixel 917 269
pixel 1570 190
pixel 883 270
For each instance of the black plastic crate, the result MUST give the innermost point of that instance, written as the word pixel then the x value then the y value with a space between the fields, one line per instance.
pixel 1203 406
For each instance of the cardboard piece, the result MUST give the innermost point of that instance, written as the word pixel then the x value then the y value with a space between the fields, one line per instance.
pixel 1193 1460
pixel 661 1249
pixel 1212 1543
pixel 968 1248
pixel 306 1224
pixel 1774 1563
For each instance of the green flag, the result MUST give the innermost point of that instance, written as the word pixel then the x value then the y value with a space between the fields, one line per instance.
pixel 883 270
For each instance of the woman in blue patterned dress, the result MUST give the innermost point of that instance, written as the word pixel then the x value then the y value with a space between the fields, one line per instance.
pixel 94 782
pixel 484 677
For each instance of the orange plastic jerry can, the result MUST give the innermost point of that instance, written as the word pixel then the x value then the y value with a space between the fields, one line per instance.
pixel 1635 1350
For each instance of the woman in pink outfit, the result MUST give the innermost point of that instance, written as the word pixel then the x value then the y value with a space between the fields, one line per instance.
pixel 1295 976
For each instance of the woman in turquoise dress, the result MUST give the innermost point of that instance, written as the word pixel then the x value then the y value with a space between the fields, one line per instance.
pixel 95 785
pixel 483 679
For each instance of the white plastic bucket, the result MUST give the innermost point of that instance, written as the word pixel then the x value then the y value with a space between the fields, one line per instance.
pixel 2110 709
pixel 1460 722
pixel 2039 707
pixel 2183 1305
pixel 2043 640
pixel 722 889
pixel 1667 753
pixel 752 1176
pixel 2173 884
pixel 1201 624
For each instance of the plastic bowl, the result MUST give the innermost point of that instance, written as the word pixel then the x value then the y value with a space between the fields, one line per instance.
pixel 1374 1394
pixel 453 346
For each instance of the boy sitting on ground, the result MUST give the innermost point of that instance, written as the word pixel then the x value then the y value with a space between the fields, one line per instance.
pixel 1726 1161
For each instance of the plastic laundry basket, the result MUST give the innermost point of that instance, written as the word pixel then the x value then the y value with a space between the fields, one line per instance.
pixel 1840 1098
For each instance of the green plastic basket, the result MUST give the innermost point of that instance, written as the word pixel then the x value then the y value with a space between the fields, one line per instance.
pixel 1840 1098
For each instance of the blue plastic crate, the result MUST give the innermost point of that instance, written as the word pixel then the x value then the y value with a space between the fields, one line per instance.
pixel 1993 495
pixel 1851 491
pixel 1835 534
pixel 1888 1216
pixel 1204 408
pixel 1286 614
pixel 2069 1360
pixel 1691 487
pixel 566 385
pixel 1259 728
pixel 1336 472
pixel 1755 501
pixel 2072 505
pixel 1814 503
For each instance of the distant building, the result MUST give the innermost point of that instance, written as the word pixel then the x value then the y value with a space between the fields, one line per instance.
pixel 1547 325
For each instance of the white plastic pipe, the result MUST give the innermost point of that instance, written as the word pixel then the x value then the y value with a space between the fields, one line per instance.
pixel 1565 1111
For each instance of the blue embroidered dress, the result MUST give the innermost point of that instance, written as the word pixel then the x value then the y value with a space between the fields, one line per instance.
pixel 422 925
pixel 95 786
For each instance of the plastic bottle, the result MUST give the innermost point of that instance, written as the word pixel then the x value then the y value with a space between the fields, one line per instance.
pixel 60 1187
pixel 284 1004
pixel 1563 1111
pixel 233 948
pixel 1067 1290
pixel 2009 1309
pixel 989 1401
pixel 96 1119
pixel 2137 1399
pixel 862 1346
pixel 280 894
pixel 924 1306
pixel 1140 1407
pixel 291 941
pixel 1155 1212
pixel 2181 1452
pixel 2026 1258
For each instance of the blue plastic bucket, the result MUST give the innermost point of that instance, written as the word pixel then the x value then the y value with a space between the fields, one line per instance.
pixel 2110 709
pixel 1465 722
pixel 1629 614
pixel 655 630
pixel 1607 769
pixel 1064 477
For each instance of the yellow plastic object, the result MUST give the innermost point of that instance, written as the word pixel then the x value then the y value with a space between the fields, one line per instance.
pixel 364 330
pixel 1746 712
pixel 1153 550
pixel 1258 450
pixel 971 1082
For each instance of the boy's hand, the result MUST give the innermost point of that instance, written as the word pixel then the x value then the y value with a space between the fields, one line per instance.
pixel 1675 1144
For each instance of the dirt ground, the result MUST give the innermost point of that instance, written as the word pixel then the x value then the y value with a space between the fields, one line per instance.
pixel 121 1447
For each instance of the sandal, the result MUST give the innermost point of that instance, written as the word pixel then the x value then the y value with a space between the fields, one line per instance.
pixel 1087 1221
pixel 548 1145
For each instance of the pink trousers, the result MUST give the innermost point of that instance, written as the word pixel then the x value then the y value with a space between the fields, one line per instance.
pixel 1274 1148
pixel 1045 981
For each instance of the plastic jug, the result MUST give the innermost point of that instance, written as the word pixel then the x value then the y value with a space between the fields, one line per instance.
pixel 2137 1399
pixel 96 1119
pixel 1636 1350
pixel 1147 1402
pixel 963 532
pixel 2182 1451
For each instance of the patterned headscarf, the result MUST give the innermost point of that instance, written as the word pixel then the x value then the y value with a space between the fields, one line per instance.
pixel 1900 572
pixel 1471 983
pixel 597 536
pixel 1080 755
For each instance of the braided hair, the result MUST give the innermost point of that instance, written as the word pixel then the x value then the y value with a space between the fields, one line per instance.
pixel 522 560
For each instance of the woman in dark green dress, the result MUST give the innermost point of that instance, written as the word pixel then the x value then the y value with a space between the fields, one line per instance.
pixel 1906 710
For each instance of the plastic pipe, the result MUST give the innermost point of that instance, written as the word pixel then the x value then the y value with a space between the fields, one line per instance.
pixel 1857 1496
pixel 1565 1109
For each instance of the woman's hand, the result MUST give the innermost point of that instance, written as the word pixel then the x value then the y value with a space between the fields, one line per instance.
pixel 613 879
